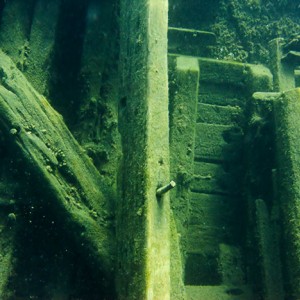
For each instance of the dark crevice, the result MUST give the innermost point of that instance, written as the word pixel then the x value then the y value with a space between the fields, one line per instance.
pixel 67 88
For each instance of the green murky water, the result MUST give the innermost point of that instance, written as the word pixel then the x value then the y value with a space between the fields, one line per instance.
pixel 93 121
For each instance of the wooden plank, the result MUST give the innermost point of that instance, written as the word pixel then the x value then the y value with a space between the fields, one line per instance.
pixel 219 292
pixel 57 164
pixel 190 41
pixel 205 238
pixel 211 210
pixel 209 141
pixel 210 178
pixel 183 110
pixel 41 44
pixel 287 123
pixel 143 219
pixel 217 114
pixel 16 20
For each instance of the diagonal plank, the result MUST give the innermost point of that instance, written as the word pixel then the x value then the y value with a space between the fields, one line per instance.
pixel 58 165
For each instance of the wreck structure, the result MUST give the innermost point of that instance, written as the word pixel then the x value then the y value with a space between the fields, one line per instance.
pixel 136 165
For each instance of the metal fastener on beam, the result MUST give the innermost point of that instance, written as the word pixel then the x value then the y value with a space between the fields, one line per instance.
pixel 164 189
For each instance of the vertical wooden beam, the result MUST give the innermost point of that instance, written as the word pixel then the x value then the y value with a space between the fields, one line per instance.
pixel 143 227
pixel 287 111
pixel 269 253
pixel 15 26
pixel 184 90
pixel 264 219
pixel 97 45
pixel 284 77
pixel 42 40
pixel 183 107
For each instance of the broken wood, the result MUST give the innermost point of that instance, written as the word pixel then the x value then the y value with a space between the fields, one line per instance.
pixel 59 168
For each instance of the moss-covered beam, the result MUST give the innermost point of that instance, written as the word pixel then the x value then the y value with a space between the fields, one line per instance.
pixel 38 53
pixel 269 253
pixel 189 41
pixel 15 27
pixel 59 168
pixel 97 46
pixel 143 219
pixel 283 72
pixel 183 109
pixel 287 111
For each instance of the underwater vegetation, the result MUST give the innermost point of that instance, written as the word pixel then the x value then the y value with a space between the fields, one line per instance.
pixel 243 28
pixel 86 123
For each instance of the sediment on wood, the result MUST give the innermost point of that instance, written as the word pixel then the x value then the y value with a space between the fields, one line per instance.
pixel 65 174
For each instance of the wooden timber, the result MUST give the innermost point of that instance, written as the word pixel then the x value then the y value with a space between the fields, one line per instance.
pixel 59 168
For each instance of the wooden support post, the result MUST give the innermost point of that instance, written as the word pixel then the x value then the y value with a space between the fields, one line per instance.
pixel 15 28
pixel 269 253
pixel 183 113
pixel 287 111
pixel 41 44
pixel 143 219
pixel 60 169
pixel 97 45
pixel 283 72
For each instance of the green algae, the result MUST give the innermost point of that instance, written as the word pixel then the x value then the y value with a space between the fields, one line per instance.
pixel 71 55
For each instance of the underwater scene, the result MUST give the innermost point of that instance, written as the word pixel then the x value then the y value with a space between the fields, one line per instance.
pixel 150 149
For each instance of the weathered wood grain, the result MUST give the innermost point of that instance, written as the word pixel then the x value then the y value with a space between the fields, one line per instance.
pixel 58 165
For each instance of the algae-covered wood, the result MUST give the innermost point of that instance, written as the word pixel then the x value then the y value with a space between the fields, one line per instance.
pixel 287 111
pixel 143 221
pixel 57 163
